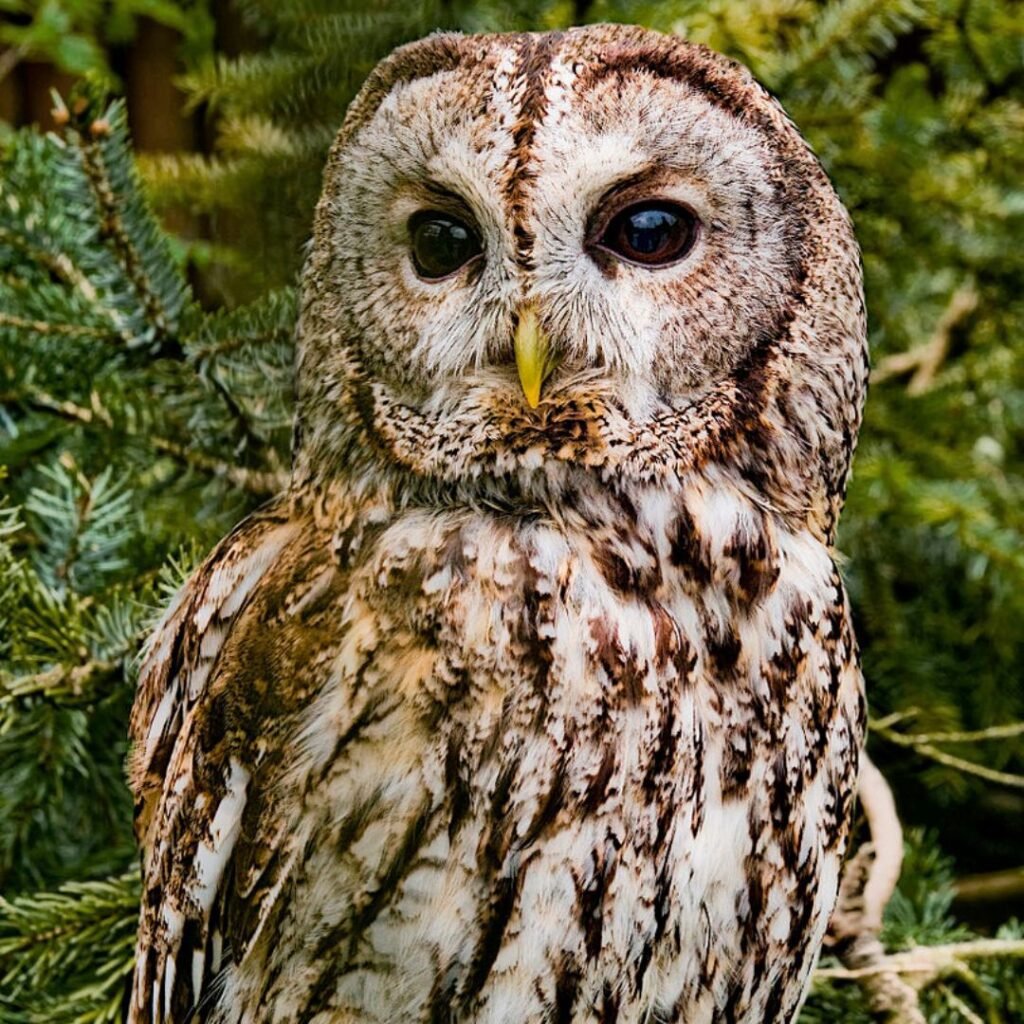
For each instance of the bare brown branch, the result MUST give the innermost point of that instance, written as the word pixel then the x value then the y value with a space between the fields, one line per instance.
pixel 923 746
pixel 924 965
pixel 991 887
pixel 868 884
pixel 925 361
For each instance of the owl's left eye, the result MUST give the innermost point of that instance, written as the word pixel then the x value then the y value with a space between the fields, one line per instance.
pixel 441 243
pixel 652 233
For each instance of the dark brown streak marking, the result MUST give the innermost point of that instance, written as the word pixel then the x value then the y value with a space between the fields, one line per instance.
pixel 724 649
pixel 689 550
pixel 376 708
pixel 752 935
pixel 458 789
pixel 756 561
pixel 773 1004
pixel 597 789
pixel 534 65
pixel 610 1009
pixel 504 892
pixel 439 1006
pixel 567 982
pixel 537 613
pixel 353 927
pixel 590 901
pixel 549 808
pixel 623 668
pixel 502 887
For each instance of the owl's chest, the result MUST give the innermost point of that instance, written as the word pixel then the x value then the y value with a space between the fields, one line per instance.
pixel 609 612
pixel 571 755
pixel 536 614
pixel 703 642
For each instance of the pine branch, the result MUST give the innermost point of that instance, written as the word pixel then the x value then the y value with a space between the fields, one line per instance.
pixel 254 481
pixel 63 683
pixel 57 263
pixel 258 482
pixel 73 412
pixel 198 182
pixel 43 327
pixel 856 28
pixel 113 229
pixel 65 955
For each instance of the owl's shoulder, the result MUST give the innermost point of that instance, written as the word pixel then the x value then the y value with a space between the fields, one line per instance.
pixel 222 682
pixel 184 646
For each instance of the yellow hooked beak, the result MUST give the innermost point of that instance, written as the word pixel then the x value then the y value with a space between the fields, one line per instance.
pixel 534 359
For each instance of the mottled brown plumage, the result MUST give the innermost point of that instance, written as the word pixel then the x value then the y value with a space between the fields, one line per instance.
pixel 505 714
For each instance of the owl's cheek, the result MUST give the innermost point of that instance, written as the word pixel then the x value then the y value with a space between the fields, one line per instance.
pixel 694 350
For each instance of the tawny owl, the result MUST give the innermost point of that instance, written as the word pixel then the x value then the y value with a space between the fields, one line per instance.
pixel 535 698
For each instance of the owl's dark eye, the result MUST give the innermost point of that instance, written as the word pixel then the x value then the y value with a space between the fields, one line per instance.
pixel 441 243
pixel 652 233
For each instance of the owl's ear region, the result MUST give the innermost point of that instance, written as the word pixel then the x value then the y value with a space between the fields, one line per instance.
pixel 535 359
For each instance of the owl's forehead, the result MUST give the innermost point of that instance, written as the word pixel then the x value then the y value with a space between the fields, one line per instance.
pixel 595 104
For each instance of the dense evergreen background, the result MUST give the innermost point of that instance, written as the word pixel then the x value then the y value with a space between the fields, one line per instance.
pixel 144 390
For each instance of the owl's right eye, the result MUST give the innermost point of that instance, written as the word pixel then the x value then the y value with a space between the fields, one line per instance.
pixel 441 244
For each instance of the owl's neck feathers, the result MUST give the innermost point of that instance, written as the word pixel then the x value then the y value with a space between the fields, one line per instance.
pixel 758 428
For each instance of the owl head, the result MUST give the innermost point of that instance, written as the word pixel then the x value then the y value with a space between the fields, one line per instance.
pixel 601 251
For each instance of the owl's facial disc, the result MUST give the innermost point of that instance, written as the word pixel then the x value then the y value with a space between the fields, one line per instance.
pixel 638 219
pixel 532 248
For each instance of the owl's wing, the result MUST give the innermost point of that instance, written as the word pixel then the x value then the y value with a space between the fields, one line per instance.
pixel 215 691
pixel 183 649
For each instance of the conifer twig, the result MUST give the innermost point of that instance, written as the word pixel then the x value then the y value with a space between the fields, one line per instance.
pixel 254 481
pixel 44 327
pixel 112 226
pixel 240 417
pixel 40 401
pixel 71 680
pixel 58 264
pixel 234 342
pixel 64 269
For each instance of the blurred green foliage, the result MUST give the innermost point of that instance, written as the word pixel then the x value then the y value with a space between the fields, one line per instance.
pixel 75 35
